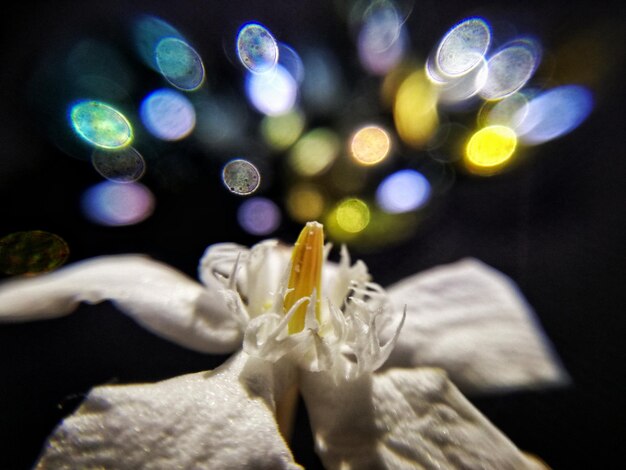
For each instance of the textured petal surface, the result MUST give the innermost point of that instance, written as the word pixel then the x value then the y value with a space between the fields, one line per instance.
pixel 221 419
pixel 472 321
pixel 254 273
pixel 404 419
pixel 157 296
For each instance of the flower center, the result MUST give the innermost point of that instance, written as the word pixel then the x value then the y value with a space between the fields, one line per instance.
pixel 306 274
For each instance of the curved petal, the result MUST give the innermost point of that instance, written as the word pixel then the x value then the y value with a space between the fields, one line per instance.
pixel 472 321
pixel 157 296
pixel 254 273
pixel 403 419
pixel 219 419
pixel 340 278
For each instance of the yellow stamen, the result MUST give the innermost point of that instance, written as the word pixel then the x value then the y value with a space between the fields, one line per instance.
pixel 306 273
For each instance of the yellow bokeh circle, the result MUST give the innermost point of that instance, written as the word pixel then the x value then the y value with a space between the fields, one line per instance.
pixel 352 215
pixel 490 149
pixel 370 145
pixel 305 202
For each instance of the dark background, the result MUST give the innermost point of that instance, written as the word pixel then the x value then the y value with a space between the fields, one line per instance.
pixel 555 223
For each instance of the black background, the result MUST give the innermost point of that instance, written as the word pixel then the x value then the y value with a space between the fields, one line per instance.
pixel 555 224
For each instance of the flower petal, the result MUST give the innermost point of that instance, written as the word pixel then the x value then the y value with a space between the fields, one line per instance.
pixel 218 419
pixel 403 419
pixel 471 321
pixel 157 296
pixel 254 273
pixel 339 278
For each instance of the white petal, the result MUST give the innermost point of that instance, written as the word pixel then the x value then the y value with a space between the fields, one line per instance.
pixel 157 296
pixel 219 419
pixel 472 321
pixel 257 271
pixel 403 419
pixel 339 278
pixel 267 338
pixel 218 261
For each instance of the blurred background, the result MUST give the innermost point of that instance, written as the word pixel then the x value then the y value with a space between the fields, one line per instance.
pixel 419 133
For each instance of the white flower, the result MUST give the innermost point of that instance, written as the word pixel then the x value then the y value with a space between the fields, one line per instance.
pixel 307 323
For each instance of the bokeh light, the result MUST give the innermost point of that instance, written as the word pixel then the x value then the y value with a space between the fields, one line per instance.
pixel 241 177
pixel 352 215
pixel 305 202
pixel 168 115
pixel 290 60
pixel 415 109
pixel 554 113
pixel 148 32
pixel 179 63
pixel 256 48
pixel 117 204
pixel 164 49
pixel 315 152
pixel 272 93
pixel 259 216
pixel 510 111
pixel 382 40
pixel 121 166
pixel 32 252
pixel 347 177
pixel 101 125
pixel 462 88
pixel 463 48
pixel 281 132
pixel 489 149
pixel 370 145
pixel 221 121
pixel 510 69
pixel 331 172
pixel 323 85
pixel 403 191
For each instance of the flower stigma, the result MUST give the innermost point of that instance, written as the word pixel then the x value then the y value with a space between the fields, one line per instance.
pixel 305 274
